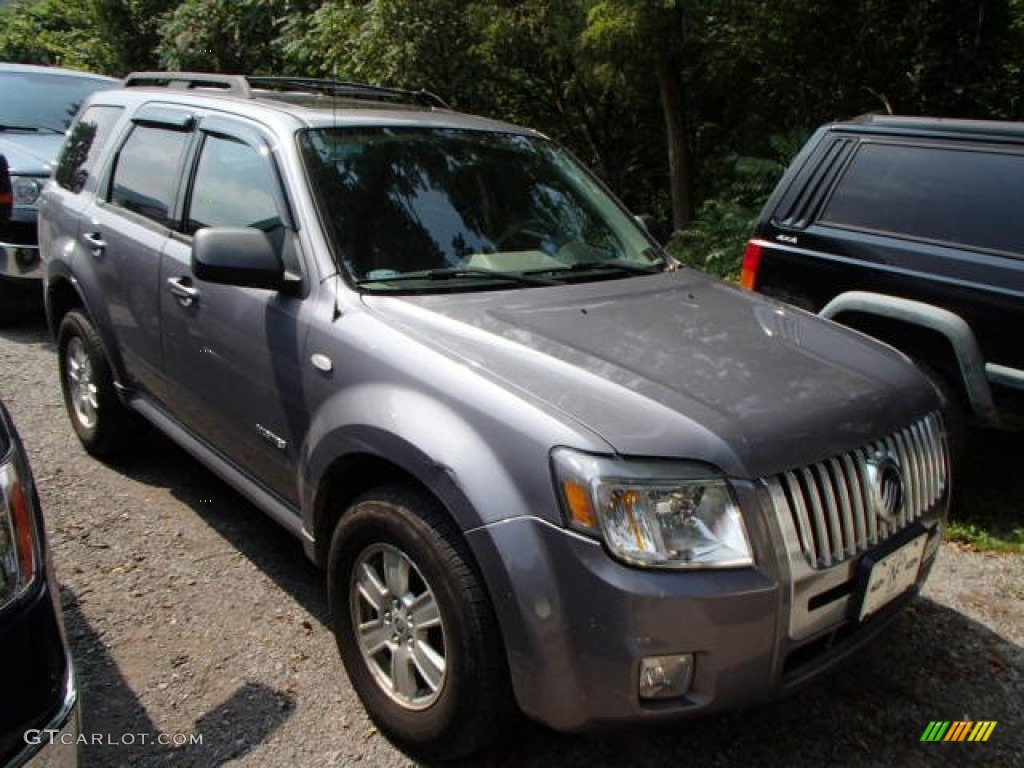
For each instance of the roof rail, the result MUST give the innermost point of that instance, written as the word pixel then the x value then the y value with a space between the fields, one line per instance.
pixel 236 85
pixel 243 85
pixel 348 89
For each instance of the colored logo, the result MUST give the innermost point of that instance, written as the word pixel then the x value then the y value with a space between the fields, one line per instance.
pixel 958 730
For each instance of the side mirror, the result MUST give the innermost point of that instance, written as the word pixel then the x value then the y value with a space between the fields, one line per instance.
pixel 6 195
pixel 236 256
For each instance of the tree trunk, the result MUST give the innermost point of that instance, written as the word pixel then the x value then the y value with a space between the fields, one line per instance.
pixel 670 83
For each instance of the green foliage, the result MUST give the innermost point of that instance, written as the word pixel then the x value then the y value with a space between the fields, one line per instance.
pixel 56 33
pixel 618 81
pixel 130 28
pixel 715 240
pixel 421 44
pixel 987 515
pixel 221 36
pixel 992 535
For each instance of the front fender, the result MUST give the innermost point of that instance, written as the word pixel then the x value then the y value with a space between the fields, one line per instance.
pixel 429 440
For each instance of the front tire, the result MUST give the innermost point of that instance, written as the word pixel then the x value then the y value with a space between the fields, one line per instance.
pixel 98 417
pixel 415 627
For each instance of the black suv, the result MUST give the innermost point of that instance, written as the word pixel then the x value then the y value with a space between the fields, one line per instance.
pixel 910 229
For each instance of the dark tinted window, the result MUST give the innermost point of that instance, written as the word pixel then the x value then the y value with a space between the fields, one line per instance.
pixel 147 172
pixel 964 197
pixel 404 201
pixel 43 100
pixel 83 145
pixel 234 187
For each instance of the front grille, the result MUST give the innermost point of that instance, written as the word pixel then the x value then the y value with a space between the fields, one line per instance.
pixel 832 502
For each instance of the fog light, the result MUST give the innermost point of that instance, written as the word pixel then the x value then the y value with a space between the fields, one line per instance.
pixel 665 677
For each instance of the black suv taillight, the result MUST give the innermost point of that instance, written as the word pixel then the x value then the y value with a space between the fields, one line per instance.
pixel 751 261
pixel 19 538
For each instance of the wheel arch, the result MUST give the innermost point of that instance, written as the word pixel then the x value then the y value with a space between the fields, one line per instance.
pixel 63 294
pixel 928 334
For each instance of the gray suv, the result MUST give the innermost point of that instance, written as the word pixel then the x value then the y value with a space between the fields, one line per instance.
pixel 544 469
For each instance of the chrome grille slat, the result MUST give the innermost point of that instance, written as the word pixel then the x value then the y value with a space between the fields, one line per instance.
pixel 910 481
pixel 831 501
pixel 832 510
pixel 820 529
pixel 857 503
pixel 803 524
pixel 923 462
pixel 843 497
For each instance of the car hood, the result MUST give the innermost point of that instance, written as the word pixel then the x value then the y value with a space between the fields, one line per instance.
pixel 678 365
pixel 30 154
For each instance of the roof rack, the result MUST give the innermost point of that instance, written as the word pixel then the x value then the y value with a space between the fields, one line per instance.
pixel 243 86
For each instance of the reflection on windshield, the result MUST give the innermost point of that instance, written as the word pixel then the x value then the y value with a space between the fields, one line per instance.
pixel 44 101
pixel 400 201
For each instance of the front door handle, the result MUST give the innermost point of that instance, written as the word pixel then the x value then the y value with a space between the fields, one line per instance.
pixel 183 290
pixel 96 243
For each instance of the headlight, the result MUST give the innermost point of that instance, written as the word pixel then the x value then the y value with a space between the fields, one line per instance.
pixel 26 190
pixel 656 514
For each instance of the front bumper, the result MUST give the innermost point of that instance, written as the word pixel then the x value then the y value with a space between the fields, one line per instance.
pixel 56 745
pixel 19 247
pixel 577 624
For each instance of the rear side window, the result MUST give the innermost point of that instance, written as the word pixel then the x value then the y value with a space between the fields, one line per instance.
pixel 83 145
pixel 965 197
pixel 148 170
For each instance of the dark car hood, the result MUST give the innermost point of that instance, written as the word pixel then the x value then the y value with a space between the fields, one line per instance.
pixel 30 154
pixel 679 365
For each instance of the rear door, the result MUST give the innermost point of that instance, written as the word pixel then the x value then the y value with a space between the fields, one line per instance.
pixel 232 353
pixel 123 234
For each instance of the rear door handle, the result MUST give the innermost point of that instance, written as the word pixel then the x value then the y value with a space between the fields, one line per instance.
pixel 96 243
pixel 183 290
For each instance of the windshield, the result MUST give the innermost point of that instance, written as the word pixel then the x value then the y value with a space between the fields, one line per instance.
pixel 43 101
pixel 407 207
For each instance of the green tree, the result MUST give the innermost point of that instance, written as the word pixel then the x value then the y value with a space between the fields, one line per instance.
pixel 638 38
pixel 406 43
pixel 55 33
pixel 222 36
pixel 130 28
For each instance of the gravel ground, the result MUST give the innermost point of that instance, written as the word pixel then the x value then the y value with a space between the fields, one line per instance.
pixel 190 613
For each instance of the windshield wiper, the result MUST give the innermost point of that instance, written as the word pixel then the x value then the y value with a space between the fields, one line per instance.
pixel 29 128
pixel 450 273
pixel 596 264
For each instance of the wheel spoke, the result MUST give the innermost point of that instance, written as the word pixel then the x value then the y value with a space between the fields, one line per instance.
pixel 399 627
pixel 396 572
pixel 370 587
pixel 424 611
pixel 403 676
pixel 374 635
pixel 429 663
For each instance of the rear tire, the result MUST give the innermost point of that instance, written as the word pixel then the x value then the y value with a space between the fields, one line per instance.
pixel 99 418
pixel 415 627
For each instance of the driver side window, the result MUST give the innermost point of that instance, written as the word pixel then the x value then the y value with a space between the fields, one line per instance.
pixel 233 188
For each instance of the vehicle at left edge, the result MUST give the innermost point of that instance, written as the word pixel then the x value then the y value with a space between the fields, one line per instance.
pixel 37 104
pixel 40 718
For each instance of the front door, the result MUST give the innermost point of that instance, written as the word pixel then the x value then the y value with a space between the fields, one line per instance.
pixel 232 353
